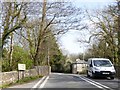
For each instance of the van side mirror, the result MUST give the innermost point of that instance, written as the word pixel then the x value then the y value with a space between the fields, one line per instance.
pixel 90 65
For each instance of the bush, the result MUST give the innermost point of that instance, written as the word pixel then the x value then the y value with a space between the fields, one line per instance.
pixel 19 56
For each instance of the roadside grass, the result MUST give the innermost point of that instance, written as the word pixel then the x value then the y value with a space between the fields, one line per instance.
pixel 22 81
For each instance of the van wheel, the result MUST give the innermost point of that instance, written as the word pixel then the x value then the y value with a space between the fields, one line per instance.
pixel 88 74
pixel 111 77
pixel 92 76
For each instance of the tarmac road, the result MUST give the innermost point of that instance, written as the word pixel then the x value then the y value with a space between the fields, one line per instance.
pixel 56 81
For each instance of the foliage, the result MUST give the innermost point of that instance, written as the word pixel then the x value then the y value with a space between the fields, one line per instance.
pixel 57 63
pixel 68 67
pixel 19 56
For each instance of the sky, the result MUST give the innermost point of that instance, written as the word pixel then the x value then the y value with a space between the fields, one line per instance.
pixel 69 41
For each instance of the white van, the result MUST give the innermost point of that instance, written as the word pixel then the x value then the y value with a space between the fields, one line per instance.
pixel 100 67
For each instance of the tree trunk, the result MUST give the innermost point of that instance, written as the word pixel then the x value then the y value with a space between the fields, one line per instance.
pixel 40 37
pixel 11 52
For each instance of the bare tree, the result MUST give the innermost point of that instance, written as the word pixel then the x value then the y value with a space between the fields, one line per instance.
pixel 13 18
pixel 55 17
pixel 105 24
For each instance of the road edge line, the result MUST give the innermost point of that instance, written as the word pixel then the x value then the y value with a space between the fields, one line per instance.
pixel 92 83
pixel 98 83
pixel 44 82
pixel 35 86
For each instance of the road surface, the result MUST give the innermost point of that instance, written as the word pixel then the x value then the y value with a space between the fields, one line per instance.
pixel 58 80
pixel 69 82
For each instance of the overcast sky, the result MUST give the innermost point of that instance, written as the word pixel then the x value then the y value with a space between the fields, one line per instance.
pixel 69 41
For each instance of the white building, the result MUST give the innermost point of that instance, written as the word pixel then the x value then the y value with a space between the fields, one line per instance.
pixel 79 66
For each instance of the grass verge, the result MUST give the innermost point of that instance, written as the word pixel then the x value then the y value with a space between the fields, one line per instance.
pixel 22 81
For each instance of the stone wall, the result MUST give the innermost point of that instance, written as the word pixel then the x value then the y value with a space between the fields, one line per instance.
pixel 10 77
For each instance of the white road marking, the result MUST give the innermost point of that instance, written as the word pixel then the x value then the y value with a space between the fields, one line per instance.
pixel 35 86
pixel 92 83
pixel 96 84
pixel 43 84
pixel 99 84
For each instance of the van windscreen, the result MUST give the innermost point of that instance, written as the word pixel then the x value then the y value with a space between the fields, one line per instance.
pixel 102 63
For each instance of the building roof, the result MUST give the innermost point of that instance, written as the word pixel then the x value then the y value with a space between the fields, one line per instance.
pixel 80 62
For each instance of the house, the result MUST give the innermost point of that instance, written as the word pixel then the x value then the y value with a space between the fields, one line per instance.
pixel 79 66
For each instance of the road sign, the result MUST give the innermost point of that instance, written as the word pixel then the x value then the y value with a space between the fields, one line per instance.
pixel 21 67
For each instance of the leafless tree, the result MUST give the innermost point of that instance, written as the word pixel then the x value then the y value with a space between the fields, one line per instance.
pixel 55 17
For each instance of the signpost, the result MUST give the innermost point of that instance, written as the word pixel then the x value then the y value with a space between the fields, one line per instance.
pixel 21 69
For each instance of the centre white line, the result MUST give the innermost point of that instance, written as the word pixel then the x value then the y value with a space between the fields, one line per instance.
pixel 43 84
pixel 40 81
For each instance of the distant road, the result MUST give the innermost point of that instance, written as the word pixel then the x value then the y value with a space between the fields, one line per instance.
pixel 61 81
